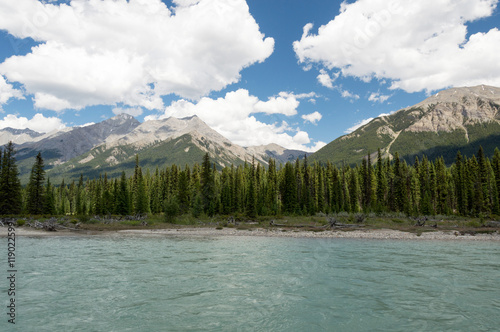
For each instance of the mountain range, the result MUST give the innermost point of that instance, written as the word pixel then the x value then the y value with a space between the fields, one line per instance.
pixel 111 145
pixel 457 119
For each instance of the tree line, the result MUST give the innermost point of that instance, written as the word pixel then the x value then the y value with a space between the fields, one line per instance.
pixel 469 187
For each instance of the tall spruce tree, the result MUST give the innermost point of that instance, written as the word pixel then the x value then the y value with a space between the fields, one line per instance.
pixel 36 191
pixel 79 199
pixel 122 197
pixel 367 184
pixel 10 186
pixel 272 188
pixel 442 204
pixel 183 191
pixel 381 182
pixel 354 191
pixel 251 206
pixel 141 202
pixel 289 190
pixel 50 200
pixel 460 184
pixel 400 195
pixel 207 186
pixel 482 175
pixel 495 164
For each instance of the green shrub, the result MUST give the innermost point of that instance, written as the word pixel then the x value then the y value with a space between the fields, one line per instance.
pixel 171 209
pixel 473 224
pixel 83 218
pixel 197 209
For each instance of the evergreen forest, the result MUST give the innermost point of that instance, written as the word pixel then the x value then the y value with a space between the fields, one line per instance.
pixel 468 187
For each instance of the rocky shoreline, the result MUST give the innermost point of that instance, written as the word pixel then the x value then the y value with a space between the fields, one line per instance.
pixel 382 234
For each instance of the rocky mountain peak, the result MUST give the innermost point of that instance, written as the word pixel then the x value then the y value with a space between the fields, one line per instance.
pixel 72 143
pixel 455 119
pixel 464 95
pixel 120 120
pixel 26 131
pixel 456 108
pixel 17 136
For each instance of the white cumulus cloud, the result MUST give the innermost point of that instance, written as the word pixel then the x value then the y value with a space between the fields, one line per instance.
pixel 7 92
pixel 313 117
pixel 417 45
pixel 325 79
pixel 347 94
pixel 233 117
pixel 377 97
pixel 38 123
pixel 130 52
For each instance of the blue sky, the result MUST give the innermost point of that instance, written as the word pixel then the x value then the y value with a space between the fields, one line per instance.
pixel 292 72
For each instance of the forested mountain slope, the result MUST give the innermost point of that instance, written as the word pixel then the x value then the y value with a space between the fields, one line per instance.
pixel 458 119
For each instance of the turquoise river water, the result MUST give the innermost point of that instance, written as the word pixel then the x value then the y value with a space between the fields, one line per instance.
pixel 251 284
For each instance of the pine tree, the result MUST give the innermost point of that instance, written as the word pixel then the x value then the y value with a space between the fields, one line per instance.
pixel 495 164
pixel 414 192
pixel 98 204
pixel 155 194
pixel 482 176
pixel 336 196
pixel 289 190
pixel 306 195
pixel 346 197
pixel 61 197
pixel 36 190
pixel 207 186
pixel 354 191
pixel 239 189
pixel 10 186
pixel 460 184
pixel 441 187
pixel 78 199
pixel 432 187
pixel 260 189
pixel 251 206
pixel 400 192
pixel 49 204
pixel 320 188
pixel 272 188
pixel 123 197
pixel 141 198
pixel 183 191
pixel 107 196
pixel 474 191
pixel 381 183
pixel 367 185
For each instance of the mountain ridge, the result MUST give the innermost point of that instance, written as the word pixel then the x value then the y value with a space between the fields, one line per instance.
pixel 448 121
pixel 106 146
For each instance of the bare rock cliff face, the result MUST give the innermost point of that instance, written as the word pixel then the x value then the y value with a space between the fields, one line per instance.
pixel 18 136
pixel 457 119
pixel 458 107
pixel 69 144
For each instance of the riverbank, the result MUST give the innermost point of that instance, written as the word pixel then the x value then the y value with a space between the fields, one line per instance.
pixel 384 234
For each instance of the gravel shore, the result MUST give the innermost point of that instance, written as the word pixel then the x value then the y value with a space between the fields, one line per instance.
pixel 355 234
pixel 277 232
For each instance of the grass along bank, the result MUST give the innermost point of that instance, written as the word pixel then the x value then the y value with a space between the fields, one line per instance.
pixel 317 223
